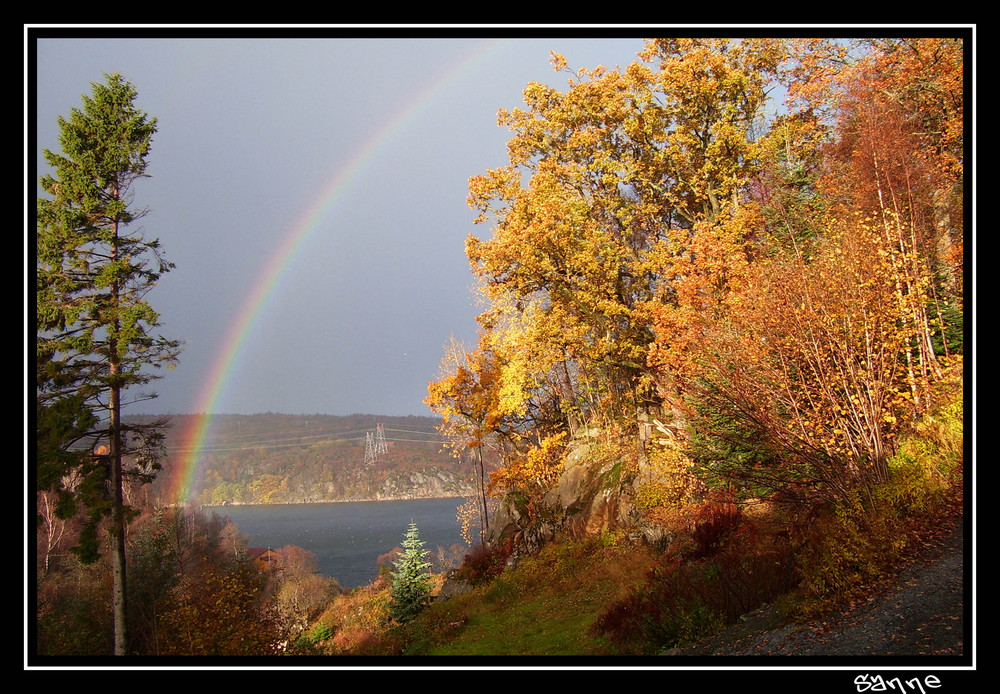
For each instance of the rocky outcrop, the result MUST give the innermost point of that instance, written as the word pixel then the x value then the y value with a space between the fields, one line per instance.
pixel 454 585
pixel 424 484
pixel 594 493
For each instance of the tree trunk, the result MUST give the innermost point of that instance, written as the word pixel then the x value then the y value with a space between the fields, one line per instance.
pixel 115 479
pixel 482 493
pixel 117 523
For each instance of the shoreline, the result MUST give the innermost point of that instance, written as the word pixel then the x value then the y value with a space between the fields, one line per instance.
pixel 330 501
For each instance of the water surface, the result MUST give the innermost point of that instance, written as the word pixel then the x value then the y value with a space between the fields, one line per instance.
pixel 347 537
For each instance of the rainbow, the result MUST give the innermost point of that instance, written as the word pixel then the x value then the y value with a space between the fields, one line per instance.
pixel 269 279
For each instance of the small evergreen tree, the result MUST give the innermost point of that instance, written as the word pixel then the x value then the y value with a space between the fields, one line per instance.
pixel 411 582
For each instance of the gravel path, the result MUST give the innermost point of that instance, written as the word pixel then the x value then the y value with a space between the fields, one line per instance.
pixel 921 614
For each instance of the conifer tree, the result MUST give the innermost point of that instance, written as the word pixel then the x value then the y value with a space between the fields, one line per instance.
pixel 411 582
pixel 95 331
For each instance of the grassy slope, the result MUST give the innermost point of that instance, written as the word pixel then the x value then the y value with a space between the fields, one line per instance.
pixel 543 607
pixel 547 606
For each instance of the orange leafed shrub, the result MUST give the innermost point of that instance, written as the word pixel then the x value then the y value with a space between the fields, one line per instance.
pixel 809 351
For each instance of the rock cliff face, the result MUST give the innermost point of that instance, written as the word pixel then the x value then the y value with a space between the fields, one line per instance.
pixel 594 493
pixel 423 485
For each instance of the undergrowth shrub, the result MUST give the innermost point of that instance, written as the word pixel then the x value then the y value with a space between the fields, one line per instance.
pixel 851 545
pixel 351 620
pixel 715 521
pixel 936 447
pixel 310 641
pixel 561 561
pixel 647 621
pixel 665 480
pixel 440 624
pixel 72 616
pixel 721 568
pixel 485 562
pixel 701 528
pixel 864 538
pixel 750 575
pixel 321 632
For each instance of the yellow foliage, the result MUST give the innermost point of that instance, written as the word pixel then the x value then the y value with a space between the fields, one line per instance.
pixel 667 479
pixel 534 470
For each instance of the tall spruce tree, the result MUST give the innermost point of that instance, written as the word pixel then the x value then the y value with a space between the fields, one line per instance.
pixel 95 331
pixel 411 582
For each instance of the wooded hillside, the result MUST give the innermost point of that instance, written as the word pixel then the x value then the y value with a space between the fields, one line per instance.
pixel 278 458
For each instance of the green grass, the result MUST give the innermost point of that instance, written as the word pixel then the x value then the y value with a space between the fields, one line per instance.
pixel 543 607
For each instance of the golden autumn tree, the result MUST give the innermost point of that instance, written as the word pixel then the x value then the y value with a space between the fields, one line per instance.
pixel 475 417
pixel 466 397
pixel 596 212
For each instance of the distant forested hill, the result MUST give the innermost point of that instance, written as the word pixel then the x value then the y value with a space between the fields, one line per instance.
pixel 278 458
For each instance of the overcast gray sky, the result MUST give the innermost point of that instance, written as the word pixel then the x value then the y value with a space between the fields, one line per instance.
pixel 374 138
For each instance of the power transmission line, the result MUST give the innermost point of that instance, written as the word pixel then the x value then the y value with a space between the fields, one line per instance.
pixel 266 443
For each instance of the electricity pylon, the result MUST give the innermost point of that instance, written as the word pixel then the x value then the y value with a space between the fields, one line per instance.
pixel 375 444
